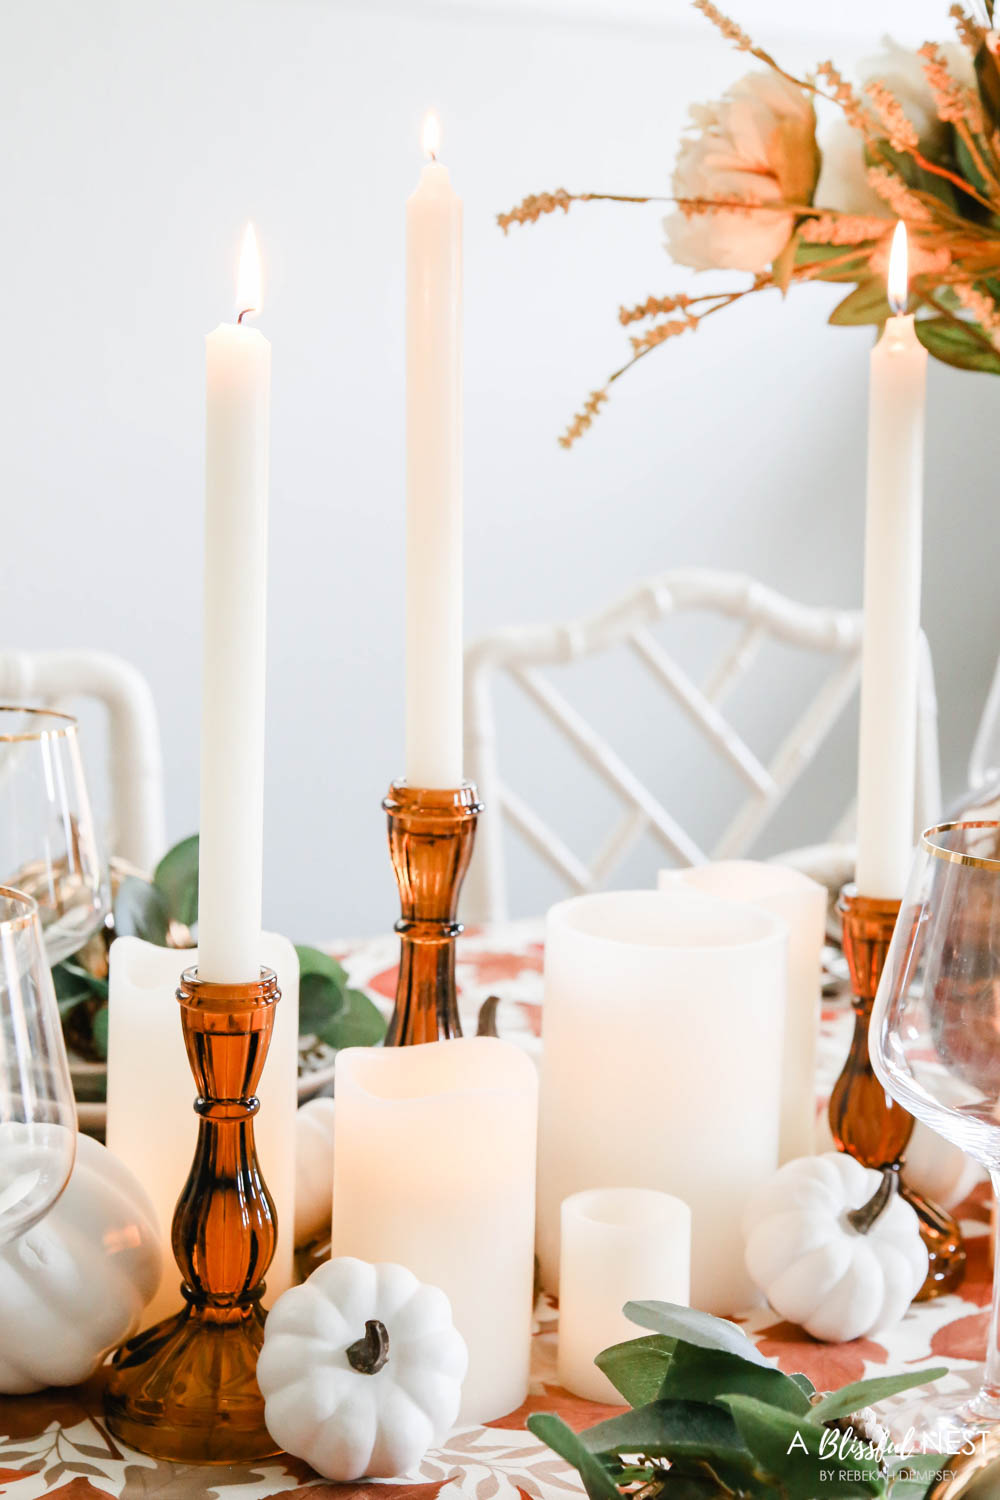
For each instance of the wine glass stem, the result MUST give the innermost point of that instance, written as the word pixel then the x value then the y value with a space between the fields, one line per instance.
pixel 991 1384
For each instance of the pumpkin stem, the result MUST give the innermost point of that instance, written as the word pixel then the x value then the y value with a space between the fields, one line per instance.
pixel 488 1017
pixel 867 1216
pixel 369 1353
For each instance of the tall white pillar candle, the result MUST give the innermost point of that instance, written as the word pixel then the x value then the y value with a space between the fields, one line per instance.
pixel 618 1245
pixel 660 1067
pixel 237 420
pixel 893 528
pixel 433 476
pixel 435 1169
pixel 801 904
pixel 152 1125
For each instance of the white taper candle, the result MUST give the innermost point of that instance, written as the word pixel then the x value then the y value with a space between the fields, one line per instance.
pixel 433 476
pixel 893 531
pixel 238 376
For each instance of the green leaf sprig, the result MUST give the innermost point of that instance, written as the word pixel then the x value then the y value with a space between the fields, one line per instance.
pixel 712 1420
pixel 163 911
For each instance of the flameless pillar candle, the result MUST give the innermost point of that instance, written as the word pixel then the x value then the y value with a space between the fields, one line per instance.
pixel 237 420
pixel 801 904
pixel 433 475
pixel 435 1169
pixel 661 1066
pixel 887 755
pixel 152 1125
pixel 618 1245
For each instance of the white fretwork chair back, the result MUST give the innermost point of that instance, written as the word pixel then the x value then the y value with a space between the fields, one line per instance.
pixel 521 654
pixel 60 679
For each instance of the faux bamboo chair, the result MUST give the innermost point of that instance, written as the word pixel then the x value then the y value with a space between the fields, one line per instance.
pixel 523 654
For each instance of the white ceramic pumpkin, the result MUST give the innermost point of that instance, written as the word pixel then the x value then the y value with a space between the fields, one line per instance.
pixel 361 1370
pixel 313 1169
pixel 834 1248
pixel 74 1285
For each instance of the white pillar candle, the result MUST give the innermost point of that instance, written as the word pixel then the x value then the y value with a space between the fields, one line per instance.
pixel 237 418
pixel 152 1125
pixel 801 904
pixel 618 1245
pixel 433 476
pixel 660 1066
pixel 435 1169
pixel 893 527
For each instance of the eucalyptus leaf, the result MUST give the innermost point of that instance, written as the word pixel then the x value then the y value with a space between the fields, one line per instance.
pixel 854 268
pixel 141 911
pixel 669 1429
pixel 637 1367
pixel 783 265
pixel 707 1374
pixel 99 1032
pixel 957 344
pixel 564 1441
pixel 804 1384
pixel 918 1474
pixel 177 877
pixel 358 1023
pixel 73 984
pixel 800 1456
pixel 851 1398
pixel 322 986
pixel 694 1327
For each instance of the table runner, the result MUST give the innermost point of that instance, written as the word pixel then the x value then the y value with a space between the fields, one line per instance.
pixel 55 1444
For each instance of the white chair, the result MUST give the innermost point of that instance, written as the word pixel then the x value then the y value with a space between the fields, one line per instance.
pixel 57 679
pixel 520 653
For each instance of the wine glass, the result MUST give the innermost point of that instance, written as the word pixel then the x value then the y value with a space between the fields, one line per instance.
pixel 48 848
pixel 935 1029
pixel 37 1112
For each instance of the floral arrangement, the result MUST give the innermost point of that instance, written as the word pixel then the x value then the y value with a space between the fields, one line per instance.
pixel 756 191
pixel 712 1419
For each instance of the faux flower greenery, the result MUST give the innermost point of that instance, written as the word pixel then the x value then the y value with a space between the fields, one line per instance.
pixel 712 1420
pixel 164 911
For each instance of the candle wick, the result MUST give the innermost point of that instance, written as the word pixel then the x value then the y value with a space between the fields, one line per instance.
pixel 245 313
pixel 898 305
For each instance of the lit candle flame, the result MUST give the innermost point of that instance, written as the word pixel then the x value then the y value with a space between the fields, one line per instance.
pixel 899 285
pixel 431 135
pixel 248 277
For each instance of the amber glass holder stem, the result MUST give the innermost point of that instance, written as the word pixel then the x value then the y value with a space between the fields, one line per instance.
pixel 864 1120
pixel 431 834
pixel 186 1389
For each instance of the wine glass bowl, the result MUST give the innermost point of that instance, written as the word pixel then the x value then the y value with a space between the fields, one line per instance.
pixel 48 846
pixel 37 1112
pixel 935 1029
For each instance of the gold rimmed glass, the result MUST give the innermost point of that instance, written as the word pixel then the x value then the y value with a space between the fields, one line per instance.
pixel 935 1031
pixel 37 1113
pixel 48 846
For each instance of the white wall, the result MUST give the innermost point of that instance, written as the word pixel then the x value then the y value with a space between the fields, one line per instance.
pixel 138 139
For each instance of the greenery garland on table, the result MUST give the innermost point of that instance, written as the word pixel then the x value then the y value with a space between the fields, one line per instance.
pixel 712 1420
pixel 164 911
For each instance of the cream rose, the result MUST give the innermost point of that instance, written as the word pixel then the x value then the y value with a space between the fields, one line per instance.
pixel 843 182
pixel 757 144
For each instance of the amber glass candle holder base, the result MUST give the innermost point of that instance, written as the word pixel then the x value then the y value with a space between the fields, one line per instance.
pixel 864 1121
pixel 431 833
pixel 187 1389
pixel 165 1393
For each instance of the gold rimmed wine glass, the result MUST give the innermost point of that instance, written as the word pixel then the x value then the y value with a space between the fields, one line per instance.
pixel 935 1030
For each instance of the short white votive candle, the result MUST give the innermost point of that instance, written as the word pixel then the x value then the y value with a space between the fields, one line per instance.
pixel 661 1066
pixel 801 904
pixel 435 1170
pixel 618 1245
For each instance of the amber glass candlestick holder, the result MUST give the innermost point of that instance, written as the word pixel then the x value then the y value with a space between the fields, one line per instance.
pixel 431 834
pixel 186 1389
pixel 864 1120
